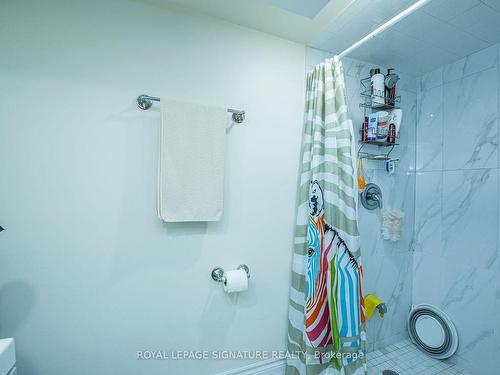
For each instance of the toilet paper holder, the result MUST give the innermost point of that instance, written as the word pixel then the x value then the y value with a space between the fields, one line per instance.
pixel 218 272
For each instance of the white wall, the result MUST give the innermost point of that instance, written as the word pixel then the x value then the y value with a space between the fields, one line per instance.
pixel 88 274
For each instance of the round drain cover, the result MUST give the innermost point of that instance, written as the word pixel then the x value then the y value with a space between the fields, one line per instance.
pixel 432 331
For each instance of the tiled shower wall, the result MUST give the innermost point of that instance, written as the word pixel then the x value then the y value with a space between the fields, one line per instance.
pixel 456 263
pixel 387 266
pixel 453 199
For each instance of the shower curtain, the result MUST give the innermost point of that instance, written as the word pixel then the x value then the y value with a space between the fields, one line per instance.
pixel 326 328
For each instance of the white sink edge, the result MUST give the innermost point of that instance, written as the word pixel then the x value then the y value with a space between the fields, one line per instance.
pixel 7 355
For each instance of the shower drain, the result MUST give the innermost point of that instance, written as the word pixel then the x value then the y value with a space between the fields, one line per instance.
pixel 389 372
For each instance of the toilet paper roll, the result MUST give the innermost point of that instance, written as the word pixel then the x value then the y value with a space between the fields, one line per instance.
pixel 235 281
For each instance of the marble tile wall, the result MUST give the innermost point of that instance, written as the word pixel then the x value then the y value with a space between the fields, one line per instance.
pixel 448 186
pixel 456 265
pixel 387 266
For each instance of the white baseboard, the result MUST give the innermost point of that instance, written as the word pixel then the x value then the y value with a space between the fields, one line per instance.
pixel 268 367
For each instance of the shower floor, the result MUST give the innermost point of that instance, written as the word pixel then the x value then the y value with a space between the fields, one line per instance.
pixel 404 358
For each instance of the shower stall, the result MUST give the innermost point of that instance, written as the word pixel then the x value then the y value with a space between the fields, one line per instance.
pixel 447 181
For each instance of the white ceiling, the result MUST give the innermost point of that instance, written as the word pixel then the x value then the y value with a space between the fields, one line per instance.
pixel 296 20
pixel 306 8
pixel 441 32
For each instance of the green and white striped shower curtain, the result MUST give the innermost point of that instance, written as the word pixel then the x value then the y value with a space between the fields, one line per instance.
pixel 326 328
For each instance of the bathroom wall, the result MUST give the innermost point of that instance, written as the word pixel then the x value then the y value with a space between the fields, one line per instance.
pixel 387 266
pixel 456 265
pixel 88 274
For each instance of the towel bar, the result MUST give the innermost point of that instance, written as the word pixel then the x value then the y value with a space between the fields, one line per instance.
pixel 145 102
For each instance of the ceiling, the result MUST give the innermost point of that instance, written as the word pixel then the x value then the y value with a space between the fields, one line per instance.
pixel 296 20
pixel 441 32
pixel 307 9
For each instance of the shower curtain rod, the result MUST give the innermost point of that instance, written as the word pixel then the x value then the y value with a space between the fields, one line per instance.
pixel 394 20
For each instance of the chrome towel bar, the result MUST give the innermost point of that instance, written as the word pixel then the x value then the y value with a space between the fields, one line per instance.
pixel 146 101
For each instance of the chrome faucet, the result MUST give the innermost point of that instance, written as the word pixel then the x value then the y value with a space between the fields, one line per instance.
pixel 375 197
pixel 371 197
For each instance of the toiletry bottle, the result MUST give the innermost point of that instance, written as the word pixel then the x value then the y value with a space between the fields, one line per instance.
pixel 390 87
pixel 382 125
pixel 391 138
pixel 377 88
pixel 395 118
pixel 364 131
pixel 394 125
pixel 372 127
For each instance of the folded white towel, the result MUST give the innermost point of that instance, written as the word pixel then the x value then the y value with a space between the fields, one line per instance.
pixel 191 162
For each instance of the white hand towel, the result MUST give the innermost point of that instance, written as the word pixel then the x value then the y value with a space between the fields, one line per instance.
pixel 191 162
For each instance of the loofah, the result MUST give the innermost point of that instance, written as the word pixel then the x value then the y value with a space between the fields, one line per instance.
pixel 392 224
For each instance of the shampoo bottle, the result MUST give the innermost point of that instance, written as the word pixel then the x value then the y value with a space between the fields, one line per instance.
pixel 377 82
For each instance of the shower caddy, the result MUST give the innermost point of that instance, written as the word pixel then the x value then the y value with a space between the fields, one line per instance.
pixel 367 105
